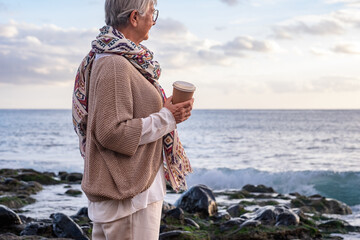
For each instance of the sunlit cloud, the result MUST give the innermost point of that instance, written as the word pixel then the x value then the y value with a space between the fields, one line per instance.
pixel 346 48
pixel 178 47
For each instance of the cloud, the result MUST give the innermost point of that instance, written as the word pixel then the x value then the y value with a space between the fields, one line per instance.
pixel 348 3
pixel 246 43
pixel 31 54
pixel 324 26
pixel 334 23
pixel 230 2
pixel 348 16
pixel 48 54
pixel 177 47
pixel 320 85
pixel 346 48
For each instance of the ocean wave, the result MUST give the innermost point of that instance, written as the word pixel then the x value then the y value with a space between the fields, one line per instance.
pixel 342 186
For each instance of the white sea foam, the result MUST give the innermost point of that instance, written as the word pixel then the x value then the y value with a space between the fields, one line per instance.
pixel 341 185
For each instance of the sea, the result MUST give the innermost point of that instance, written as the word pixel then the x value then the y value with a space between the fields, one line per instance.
pixel 304 151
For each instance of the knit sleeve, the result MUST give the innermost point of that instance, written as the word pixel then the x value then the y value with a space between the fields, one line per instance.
pixel 115 126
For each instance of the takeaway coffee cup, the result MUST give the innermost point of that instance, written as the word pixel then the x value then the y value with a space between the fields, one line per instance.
pixel 182 91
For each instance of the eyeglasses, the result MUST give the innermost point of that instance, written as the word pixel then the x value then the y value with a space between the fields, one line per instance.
pixel 155 15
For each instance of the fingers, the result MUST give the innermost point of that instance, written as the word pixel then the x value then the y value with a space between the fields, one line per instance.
pixel 180 111
pixel 186 103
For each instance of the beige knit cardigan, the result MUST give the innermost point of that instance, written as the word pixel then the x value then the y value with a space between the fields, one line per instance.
pixel 116 167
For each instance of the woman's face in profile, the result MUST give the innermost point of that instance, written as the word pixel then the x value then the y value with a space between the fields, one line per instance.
pixel 146 22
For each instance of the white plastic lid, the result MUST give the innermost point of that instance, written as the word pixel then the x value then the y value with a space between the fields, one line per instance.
pixel 184 86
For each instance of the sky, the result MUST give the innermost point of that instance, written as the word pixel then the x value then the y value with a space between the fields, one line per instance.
pixel 240 54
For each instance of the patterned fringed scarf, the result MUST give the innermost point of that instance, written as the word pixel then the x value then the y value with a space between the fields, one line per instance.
pixel 176 163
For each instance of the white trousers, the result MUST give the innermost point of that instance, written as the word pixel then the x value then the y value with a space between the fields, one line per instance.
pixel 141 225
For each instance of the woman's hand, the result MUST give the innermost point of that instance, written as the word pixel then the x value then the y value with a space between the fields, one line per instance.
pixel 180 111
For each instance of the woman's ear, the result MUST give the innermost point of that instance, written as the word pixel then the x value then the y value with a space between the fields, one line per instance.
pixel 134 18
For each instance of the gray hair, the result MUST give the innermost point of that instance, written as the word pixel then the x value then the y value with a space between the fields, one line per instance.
pixel 117 12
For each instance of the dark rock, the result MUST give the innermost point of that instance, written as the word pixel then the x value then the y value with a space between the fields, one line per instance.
pixel 8 172
pixel 176 213
pixel 83 212
pixel 51 174
pixel 63 175
pixel 167 206
pixel 65 227
pixel 8 217
pixel 221 216
pixel 73 192
pixel 287 218
pixel 74 177
pixel 16 202
pixel 250 223
pixel 28 175
pixel 321 205
pixel 37 228
pixel 258 189
pixel 172 234
pixel 231 223
pixel 198 199
pixel 15 186
pixel 337 226
pixel 266 215
pixel 191 223
pixel 236 210
pixel 11 236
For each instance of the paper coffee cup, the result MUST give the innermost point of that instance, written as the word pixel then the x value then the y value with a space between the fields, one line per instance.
pixel 182 91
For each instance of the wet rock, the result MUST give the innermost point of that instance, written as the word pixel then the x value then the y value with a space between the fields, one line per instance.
pixel 337 226
pixel 279 216
pixel 74 177
pixel 174 216
pixel 65 227
pixel 10 184
pixel 8 217
pixel 321 205
pixel 250 223
pixel 83 212
pixel 176 234
pixel 287 218
pixel 37 228
pixel 221 216
pixel 267 215
pixel 73 192
pixel 236 210
pixel 198 199
pixel 16 202
pixel 191 223
pixel 258 189
pixel 62 175
pixel 231 223
pixel 167 206
pixel 176 213
pixel 11 236
pixel 28 175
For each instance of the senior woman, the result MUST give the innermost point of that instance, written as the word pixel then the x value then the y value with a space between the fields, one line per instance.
pixel 127 127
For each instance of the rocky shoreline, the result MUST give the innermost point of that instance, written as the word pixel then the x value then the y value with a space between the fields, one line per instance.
pixel 257 212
